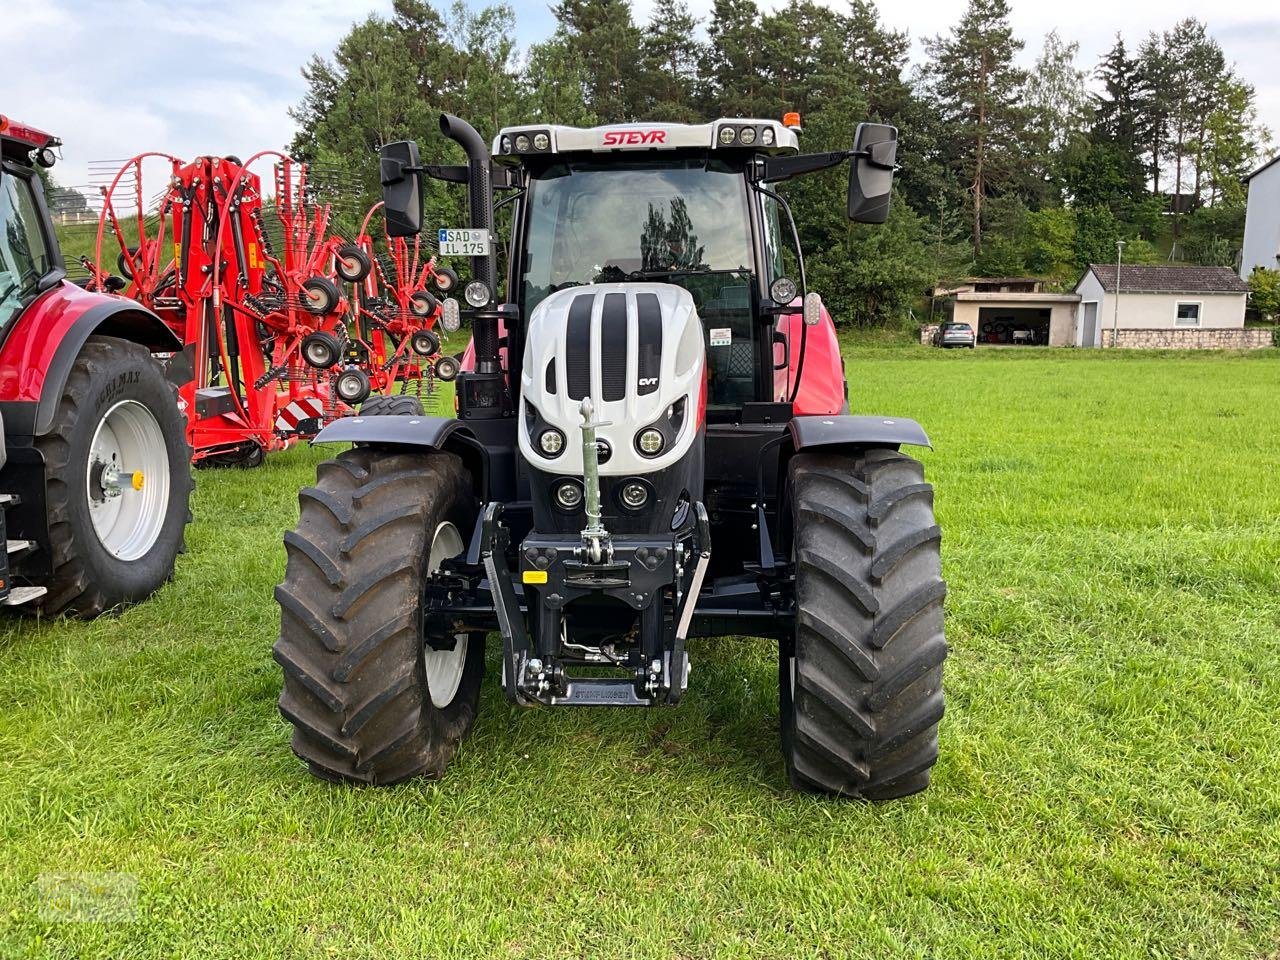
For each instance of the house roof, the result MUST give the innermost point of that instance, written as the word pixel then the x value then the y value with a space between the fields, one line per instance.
pixel 1166 278
pixel 1270 163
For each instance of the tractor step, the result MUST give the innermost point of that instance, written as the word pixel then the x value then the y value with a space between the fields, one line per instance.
pixel 19 595
pixel 16 548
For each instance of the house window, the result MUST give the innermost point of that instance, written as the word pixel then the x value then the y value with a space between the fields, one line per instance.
pixel 1187 315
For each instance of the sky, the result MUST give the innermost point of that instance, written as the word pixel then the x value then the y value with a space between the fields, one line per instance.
pixel 113 78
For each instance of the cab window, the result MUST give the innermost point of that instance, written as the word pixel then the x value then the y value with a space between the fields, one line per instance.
pixel 24 254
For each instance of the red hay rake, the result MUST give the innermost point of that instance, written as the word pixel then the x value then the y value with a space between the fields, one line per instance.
pixel 250 283
pixel 394 334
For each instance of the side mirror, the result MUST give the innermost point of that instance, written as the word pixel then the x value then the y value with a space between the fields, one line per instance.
pixel 401 175
pixel 875 146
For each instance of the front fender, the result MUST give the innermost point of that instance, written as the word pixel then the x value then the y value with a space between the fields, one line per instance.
pixel 817 432
pixel 43 344
pixel 420 432
pixel 393 429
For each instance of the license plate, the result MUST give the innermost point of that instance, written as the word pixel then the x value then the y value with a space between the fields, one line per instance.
pixel 464 243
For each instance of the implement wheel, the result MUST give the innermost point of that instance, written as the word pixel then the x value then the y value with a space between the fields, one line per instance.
pixel 861 684
pixel 369 700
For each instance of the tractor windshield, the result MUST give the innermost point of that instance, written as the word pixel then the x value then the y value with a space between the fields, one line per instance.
pixel 683 221
pixel 24 258
pixel 601 222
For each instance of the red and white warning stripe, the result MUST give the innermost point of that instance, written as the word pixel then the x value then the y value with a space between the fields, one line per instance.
pixel 297 411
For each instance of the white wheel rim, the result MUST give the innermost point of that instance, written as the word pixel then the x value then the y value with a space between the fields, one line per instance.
pixel 444 667
pixel 127 480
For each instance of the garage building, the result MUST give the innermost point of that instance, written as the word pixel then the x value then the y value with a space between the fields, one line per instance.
pixel 1011 311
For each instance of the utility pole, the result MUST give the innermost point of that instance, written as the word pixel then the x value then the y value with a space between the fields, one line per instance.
pixel 1115 319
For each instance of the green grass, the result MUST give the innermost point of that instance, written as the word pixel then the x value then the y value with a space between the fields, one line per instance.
pixel 1109 782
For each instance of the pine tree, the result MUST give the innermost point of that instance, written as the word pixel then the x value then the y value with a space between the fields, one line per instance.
pixel 672 53
pixel 1119 125
pixel 977 91
pixel 602 37
pixel 732 76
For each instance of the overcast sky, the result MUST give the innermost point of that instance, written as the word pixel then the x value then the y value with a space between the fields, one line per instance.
pixel 116 77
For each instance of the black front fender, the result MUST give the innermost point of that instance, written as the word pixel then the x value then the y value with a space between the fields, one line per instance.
pixel 818 431
pixel 418 432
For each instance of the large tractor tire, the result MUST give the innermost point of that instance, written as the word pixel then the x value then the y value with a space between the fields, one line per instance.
pixel 861 684
pixel 118 481
pixel 369 701
pixel 399 405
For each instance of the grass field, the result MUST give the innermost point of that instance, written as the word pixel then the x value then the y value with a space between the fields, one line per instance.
pixel 1109 783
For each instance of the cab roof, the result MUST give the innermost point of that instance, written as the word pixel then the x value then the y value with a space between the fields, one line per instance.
pixel 17 140
pixel 516 144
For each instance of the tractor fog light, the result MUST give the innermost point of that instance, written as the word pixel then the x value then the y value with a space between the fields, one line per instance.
pixel 726 135
pixel 551 442
pixel 650 442
pixel 748 135
pixel 541 141
pixel 635 495
pixel 476 293
pixel 450 315
pixel 783 290
pixel 522 143
pixel 568 495
pixel 766 136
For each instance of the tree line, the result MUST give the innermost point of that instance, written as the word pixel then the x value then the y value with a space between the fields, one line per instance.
pixel 1004 172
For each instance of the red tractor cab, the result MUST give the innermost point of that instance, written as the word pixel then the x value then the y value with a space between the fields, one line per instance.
pixel 94 466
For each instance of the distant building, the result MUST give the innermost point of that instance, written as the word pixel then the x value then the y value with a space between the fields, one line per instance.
pixel 1164 306
pixel 1262 220
pixel 1010 310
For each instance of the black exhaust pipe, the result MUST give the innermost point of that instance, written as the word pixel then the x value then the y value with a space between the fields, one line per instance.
pixel 480 195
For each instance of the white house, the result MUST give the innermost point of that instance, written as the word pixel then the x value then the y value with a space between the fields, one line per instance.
pixel 1164 306
pixel 1262 220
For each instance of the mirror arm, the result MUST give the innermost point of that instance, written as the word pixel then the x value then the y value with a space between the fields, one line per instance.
pixel 795 234
pixel 776 169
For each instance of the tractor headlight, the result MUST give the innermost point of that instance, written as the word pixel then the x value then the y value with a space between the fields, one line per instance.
pixel 568 495
pixel 476 293
pixel 748 135
pixel 541 141
pixel 522 143
pixel 634 495
pixel 551 442
pixel 650 442
pixel 506 145
pixel 783 290
pixel 726 135
pixel 766 136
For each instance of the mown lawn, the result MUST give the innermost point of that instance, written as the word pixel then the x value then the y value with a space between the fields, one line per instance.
pixel 1109 782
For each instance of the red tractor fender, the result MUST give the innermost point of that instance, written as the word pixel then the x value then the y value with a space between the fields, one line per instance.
pixel 41 347
pixel 822 383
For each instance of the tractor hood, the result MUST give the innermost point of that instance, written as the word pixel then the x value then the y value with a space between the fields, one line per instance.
pixel 637 350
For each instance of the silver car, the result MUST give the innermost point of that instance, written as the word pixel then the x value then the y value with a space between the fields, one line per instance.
pixel 955 335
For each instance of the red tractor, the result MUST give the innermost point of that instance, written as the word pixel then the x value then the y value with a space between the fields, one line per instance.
pixel 95 472
pixel 653 444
